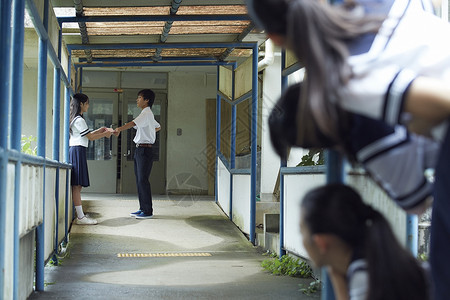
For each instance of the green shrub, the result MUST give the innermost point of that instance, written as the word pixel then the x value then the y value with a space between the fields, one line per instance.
pixel 309 159
pixel 313 287
pixel 287 265
pixel 27 145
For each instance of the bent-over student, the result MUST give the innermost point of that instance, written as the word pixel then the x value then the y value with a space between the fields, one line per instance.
pixel 357 246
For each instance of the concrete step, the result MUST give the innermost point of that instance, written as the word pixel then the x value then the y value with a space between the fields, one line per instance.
pixel 272 242
pixel 268 204
pixel 268 241
pixel 268 236
pixel 260 238
pixel 265 208
pixel 267 197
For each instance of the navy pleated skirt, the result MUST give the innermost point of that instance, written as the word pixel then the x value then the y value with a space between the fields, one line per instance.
pixel 77 157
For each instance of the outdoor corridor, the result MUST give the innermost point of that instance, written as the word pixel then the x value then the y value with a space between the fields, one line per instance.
pixel 191 250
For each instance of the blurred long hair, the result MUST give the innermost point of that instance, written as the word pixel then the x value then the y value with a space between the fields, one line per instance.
pixel 318 35
pixel 394 274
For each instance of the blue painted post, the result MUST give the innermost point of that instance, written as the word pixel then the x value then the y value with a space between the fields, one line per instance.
pixel 3 179
pixel 42 106
pixel 152 64
pixel 284 79
pixel 76 80
pixel 16 122
pixel 155 18
pixel 335 174
pixel 412 231
pixel 67 113
pixel 146 59
pixel 283 163
pixel 159 45
pixel 57 103
pixel 66 208
pixel 281 250
pixel 254 131
pixel 66 147
pixel 17 73
pixel 81 80
pixel 217 133
pixel 5 60
pixel 5 55
pixel 56 133
pixel 335 167
pixel 233 120
pixel 233 136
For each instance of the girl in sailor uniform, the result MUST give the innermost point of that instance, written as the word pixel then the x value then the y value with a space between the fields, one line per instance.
pixel 80 135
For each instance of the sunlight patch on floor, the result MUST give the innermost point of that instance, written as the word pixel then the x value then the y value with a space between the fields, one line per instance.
pixel 183 273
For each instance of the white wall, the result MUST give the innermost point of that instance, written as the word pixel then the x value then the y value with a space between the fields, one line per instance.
pixel 296 154
pixel 223 186
pixel 241 201
pixel 186 153
pixel 295 188
pixel 373 195
pixel 270 95
pixel 8 242
pixel 297 185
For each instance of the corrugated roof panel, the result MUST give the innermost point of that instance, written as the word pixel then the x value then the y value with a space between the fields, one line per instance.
pixel 182 27
pixel 186 31
pixel 212 10
pixel 116 53
pixel 206 29
pixel 193 52
pixel 124 28
pixel 241 52
pixel 125 31
pixel 112 25
pixel 126 11
pixel 211 23
pixel 165 10
pixel 190 52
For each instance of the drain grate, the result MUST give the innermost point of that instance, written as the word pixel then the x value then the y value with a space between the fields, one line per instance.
pixel 179 254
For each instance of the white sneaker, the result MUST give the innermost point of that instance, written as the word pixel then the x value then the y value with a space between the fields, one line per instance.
pixel 86 221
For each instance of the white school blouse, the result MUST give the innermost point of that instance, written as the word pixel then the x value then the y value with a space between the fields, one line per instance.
pixel 358 280
pixel 410 43
pixel 78 131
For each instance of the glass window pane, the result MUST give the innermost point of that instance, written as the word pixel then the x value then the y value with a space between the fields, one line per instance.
pixel 99 115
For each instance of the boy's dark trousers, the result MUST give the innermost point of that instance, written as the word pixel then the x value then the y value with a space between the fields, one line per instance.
pixel 143 162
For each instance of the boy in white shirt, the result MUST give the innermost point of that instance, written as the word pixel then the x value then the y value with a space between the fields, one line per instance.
pixel 147 127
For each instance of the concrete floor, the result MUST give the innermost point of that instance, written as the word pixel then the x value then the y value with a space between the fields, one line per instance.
pixel 193 252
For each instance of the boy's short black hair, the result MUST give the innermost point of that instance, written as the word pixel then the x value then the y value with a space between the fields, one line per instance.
pixel 149 95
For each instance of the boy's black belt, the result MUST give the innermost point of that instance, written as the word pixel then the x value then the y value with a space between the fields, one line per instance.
pixel 144 145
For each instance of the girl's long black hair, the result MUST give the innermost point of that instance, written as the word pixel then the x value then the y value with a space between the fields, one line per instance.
pixel 318 35
pixel 394 274
pixel 75 108
pixel 282 120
